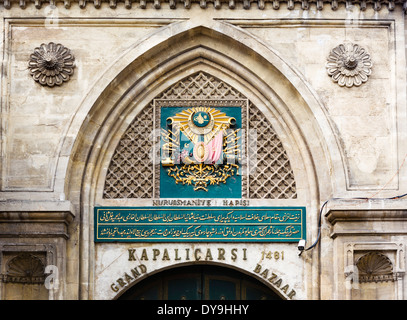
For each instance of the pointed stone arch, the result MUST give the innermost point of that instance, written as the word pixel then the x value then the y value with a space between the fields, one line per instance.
pixel 131 170
pixel 169 55
pixel 269 291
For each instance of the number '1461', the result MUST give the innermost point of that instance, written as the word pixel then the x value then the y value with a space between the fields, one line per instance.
pixel 276 255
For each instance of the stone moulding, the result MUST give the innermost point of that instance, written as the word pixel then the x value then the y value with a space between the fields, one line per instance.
pixel 217 4
pixel 25 219
pixel 51 64
pixel 349 65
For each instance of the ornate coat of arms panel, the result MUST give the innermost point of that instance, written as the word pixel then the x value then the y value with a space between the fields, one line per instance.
pixel 201 151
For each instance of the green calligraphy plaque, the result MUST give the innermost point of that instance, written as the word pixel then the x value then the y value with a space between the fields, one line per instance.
pixel 199 224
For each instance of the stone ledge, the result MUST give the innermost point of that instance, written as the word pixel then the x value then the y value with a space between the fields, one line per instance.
pixel 356 217
pixel 35 219
pixel 36 206
pixel 335 216
pixel 351 210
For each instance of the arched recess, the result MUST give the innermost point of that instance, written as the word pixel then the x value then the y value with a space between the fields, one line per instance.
pixel 132 177
pixel 159 281
pixel 148 68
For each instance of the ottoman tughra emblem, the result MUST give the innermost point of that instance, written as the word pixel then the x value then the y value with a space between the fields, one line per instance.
pixel 349 65
pixel 200 147
pixel 51 64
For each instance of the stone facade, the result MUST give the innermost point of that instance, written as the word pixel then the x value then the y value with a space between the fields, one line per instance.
pixel 326 82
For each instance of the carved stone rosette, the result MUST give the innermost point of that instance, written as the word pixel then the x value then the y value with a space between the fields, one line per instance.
pixel 349 65
pixel 51 64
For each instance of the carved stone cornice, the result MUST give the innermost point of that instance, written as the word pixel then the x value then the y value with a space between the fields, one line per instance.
pixel 335 216
pixel 367 217
pixel 35 219
pixel 367 222
pixel 217 4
